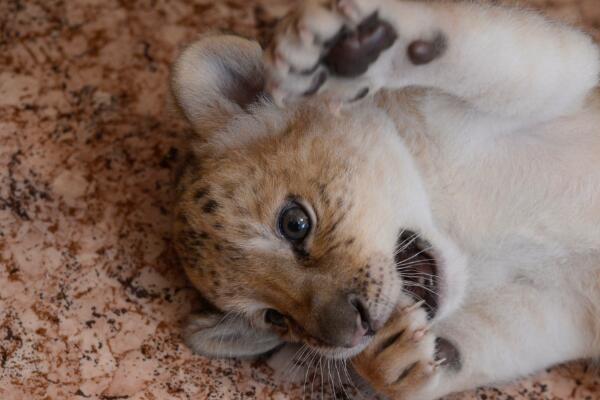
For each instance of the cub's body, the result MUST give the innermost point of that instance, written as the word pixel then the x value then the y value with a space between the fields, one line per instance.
pixel 481 138
pixel 524 205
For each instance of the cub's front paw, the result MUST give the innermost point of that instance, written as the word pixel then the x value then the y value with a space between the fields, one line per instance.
pixel 327 40
pixel 400 362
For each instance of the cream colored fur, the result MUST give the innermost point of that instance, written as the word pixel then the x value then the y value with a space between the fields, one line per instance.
pixel 492 153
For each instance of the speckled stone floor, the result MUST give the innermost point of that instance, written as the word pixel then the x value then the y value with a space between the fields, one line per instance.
pixel 90 296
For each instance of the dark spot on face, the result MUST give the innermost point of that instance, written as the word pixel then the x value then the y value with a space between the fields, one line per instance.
pixel 210 207
pixel 349 242
pixel 218 226
pixel 301 254
pixel 242 211
pixel 200 193
pixel 193 238
pixel 232 252
pixel 322 188
pixel 422 52
pixel 218 247
pixel 243 228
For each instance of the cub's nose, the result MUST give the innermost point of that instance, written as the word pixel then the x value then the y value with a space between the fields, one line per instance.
pixel 344 321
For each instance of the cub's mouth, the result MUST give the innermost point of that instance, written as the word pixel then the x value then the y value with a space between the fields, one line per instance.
pixel 418 269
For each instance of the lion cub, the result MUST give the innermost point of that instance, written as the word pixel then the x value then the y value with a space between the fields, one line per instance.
pixel 383 153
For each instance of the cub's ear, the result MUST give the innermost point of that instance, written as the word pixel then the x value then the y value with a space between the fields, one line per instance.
pixel 216 335
pixel 216 78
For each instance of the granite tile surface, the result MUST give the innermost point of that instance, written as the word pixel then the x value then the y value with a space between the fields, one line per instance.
pixel 90 293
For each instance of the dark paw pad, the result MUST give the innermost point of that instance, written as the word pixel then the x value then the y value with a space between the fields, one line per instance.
pixel 423 52
pixel 444 350
pixel 352 52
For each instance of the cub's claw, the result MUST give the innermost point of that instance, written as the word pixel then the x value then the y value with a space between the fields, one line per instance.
pixel 422 52
pixel 400 361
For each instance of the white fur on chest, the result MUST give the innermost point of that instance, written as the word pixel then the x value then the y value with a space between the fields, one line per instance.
pixel 523 205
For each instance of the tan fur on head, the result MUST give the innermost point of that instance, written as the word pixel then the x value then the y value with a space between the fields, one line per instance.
pixel 247 164
pixel 484 143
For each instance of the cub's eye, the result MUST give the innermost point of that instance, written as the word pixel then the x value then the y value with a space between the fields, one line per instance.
pixel 274 317
pixel 294 223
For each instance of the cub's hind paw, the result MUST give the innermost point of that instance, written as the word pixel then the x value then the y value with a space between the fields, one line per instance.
pixel 326 41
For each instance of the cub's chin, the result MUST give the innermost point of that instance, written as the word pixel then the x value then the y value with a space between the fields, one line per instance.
pixel 342 353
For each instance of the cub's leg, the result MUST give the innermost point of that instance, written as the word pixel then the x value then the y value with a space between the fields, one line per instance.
pixel 505 62
pixel 502 336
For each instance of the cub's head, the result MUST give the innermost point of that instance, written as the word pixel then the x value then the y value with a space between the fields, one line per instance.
pixel 295 224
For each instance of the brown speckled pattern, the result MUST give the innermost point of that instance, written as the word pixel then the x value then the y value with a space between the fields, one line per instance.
pixel 90 295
